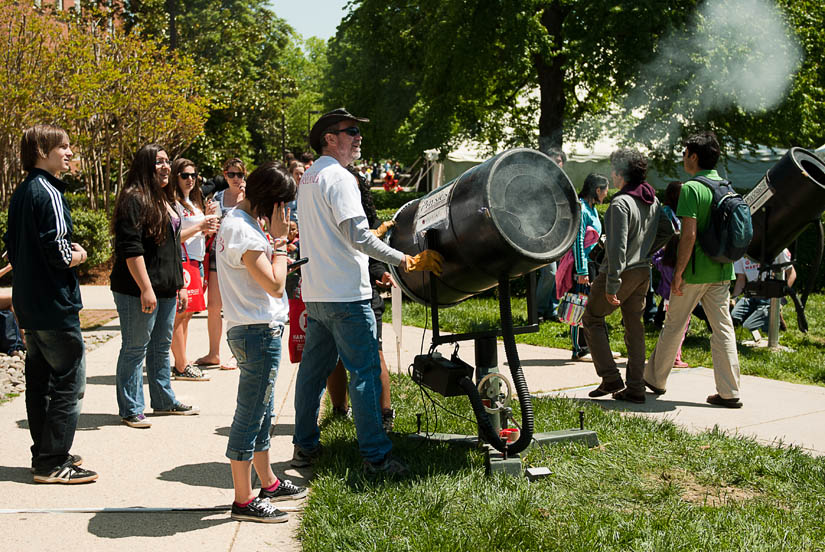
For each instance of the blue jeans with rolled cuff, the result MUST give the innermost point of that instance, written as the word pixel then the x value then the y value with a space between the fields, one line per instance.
pixel 257 348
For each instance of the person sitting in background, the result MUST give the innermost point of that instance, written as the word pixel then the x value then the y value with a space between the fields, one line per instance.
pixel 753 313
pixel 194 226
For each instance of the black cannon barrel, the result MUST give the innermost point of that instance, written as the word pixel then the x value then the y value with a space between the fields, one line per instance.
pixel 786 200
pixel 510 215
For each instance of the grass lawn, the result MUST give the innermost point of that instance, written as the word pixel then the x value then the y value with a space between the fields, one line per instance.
pixel 649 486
pixel 806 364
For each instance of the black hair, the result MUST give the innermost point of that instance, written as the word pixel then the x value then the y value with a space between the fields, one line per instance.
pixel 556 154
pixel 706 146
pixel 141 184
pixel 593 182
pixel 267 185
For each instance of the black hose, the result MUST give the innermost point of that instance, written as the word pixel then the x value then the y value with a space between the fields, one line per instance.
pixel 526 436
pixel 484 425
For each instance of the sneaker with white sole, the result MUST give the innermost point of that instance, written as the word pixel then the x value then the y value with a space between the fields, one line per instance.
pixel 67 473
pixel 190 373
pixel 304 458
pixel 137 420
pixel 75 459
pixel 259 510
pixel 179 409
pixel 285 491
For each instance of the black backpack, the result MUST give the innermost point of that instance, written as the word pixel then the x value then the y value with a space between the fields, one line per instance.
pixel 729 230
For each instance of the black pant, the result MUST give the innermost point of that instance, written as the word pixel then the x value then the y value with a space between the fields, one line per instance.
pixel 55 385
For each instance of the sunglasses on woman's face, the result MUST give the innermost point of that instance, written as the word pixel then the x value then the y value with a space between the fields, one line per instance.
pixel 187 176
pixel 234 175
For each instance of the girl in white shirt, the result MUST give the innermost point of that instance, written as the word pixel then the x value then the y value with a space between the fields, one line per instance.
pixel 194 226
pixel 252 267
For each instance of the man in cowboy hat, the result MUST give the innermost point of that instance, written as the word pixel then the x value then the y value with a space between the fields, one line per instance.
pixel 336 238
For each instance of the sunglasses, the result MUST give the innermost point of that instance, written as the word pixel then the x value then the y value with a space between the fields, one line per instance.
pixel 234 175
pixel 352 131
pixel 187 176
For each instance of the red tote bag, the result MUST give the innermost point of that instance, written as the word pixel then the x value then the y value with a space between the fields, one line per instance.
pixel 193 284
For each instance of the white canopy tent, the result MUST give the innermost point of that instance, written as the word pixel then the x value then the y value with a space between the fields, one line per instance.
pixel 744 172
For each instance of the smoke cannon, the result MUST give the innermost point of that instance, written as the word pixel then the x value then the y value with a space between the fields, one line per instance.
pixel 510 215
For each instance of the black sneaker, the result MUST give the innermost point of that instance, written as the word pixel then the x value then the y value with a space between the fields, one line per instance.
pixel 137 420
pixel 387 419
pixel 606 388
pixel 68 473
pixel 303 458
pixel 285 491
pixel 388 466
pixel 340 413
pixel 258 510
pixel 180 409
pixel 74 459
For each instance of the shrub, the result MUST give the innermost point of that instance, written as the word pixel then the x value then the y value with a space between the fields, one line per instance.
pixel 393 200
pixel 91 230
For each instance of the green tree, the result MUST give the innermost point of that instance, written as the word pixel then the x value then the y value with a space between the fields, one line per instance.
pixel 509 73
pixel 433 72
pixel 238 48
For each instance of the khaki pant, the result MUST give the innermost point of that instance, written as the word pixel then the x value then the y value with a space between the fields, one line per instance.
pixel 632 292
pixel 714 298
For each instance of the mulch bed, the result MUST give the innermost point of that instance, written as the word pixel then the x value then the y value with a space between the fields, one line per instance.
pixel 92 318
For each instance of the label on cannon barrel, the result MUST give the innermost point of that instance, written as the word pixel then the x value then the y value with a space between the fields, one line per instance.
pixel 760 195
pixel 433 211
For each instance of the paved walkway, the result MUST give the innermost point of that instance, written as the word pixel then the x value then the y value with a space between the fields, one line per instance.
pixel 180 462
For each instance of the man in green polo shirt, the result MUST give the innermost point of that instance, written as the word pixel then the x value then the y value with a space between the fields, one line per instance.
pixel 697 278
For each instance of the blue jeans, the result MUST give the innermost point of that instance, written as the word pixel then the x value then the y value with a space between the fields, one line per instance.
pixel 257 348
pixel 752 313
pixel 144 336
pixel 55 385
pixel 345 330
pixel 547 304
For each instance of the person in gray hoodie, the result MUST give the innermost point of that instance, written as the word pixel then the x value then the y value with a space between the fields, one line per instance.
pixel 631 224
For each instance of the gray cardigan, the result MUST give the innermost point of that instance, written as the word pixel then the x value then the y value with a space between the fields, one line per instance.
pixel 631 232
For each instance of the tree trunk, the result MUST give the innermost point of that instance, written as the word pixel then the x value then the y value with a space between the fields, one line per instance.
pixel 172 10
pixel 551 81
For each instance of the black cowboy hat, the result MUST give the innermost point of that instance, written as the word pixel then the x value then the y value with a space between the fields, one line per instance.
pixel 327 120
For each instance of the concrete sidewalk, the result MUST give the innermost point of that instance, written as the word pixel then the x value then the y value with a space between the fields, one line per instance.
pixel 180 462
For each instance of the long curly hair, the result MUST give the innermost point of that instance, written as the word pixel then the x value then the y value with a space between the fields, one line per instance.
pixel 142 186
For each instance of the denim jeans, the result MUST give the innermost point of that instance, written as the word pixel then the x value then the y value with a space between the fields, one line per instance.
pixel 345 330
pixel 752 313
pixel 547 304
pixel 10 338
pixel 257 348
pixel 144 336
pixel 55 385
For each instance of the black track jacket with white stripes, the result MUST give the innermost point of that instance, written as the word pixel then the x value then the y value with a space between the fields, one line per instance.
pixel 45 293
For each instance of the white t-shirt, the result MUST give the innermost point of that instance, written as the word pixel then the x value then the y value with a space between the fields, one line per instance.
pixel 751 268
pixel 244 301
pixel 336 272
pixel 196 245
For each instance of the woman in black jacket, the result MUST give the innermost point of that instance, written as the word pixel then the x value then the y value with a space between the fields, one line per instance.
pixel 147 283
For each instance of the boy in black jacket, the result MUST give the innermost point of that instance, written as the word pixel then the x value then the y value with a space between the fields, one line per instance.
pixel 46 298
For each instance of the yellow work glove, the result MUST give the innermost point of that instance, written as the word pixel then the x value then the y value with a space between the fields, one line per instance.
pixel 428 260
pixel 382 230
